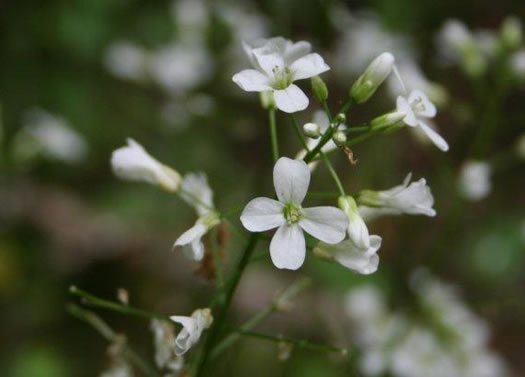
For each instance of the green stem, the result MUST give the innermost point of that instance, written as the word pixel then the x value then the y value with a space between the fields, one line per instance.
pixel 114 306
pixel 333 173
pixel 279 301
pixel 327 111
pixel 298 132
pixel 296 342
pixel 111 336
pixel 228 295
pixel 273 134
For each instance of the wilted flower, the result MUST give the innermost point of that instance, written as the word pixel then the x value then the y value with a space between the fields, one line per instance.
pixel 197 193
pixel 287 249
pixel 133 163
pixel 278 63
pixel 408 198
pixel 417 106
pixel 474 180
pixel 165 346
pixel 192 328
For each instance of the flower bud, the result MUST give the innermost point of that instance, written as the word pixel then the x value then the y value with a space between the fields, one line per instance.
pixel 267 101
pixel 340 118
pixel 511 32
pixel 319 89
pixel 387 120
pixel 357 230
pixel 339 138
pixel 312 130
pixel 375 74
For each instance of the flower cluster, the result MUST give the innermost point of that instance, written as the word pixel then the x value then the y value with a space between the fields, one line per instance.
pixel 444 339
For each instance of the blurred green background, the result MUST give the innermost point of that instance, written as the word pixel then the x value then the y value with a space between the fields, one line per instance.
pixel 74 223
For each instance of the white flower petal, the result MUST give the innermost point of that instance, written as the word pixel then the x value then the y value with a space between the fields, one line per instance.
pixel 291 179
pixel 192 238
pixel 252 80
pixel 192 329
pixel 403 106
pixel 308 66
pixel 358 232
pixel 327 224
pixel 291 99
pixel 425 108
pixel 196 191
pixel 296 50
pixel 262 214
pixel 364 261
pixel 434 136
pixel 287 248
pixel 269 61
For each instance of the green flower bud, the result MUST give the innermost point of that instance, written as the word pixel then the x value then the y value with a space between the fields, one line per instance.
pixel 339 138
pixel 319 89
pixel 387 120
pixel 372 78
pixel 312 130
pixel 340 118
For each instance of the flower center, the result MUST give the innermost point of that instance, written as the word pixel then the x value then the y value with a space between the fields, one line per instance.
pixel 282 78
pixel 418 105
pixel 292 213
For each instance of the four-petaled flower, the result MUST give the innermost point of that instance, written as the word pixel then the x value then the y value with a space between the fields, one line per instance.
pixel 291 179
pixel 418 106
pixel 277 63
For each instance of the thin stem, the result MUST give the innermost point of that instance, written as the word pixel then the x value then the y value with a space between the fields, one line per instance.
pixel 298 132
pixel 114 306
pixel 355 129
pixel 273 134
pixel 280 300
pixel 299 343
pixel 327 111
pixel 217 258
pixel 347 106
pixel 228 295
pixel 111 336
pixel 324 139
pixel 333 173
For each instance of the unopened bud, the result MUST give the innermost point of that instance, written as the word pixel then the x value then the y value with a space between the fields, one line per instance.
pixel 375 74
pixel 312 130
pixel 387 120
pixel 339 138
pixel 267 101
pixel 319 89
pixel 340 118
pixel 511 32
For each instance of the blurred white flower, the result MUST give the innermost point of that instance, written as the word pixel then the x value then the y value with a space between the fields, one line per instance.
pixel 165 346
pixel 277 63
pixel 474 180
pixel 191 240
pixel 132 162
pixel 363 39
pixel 517 63
pixel 51 136
pixel 192 328
pixel 417 106
pixel 180 67
pixel 287 249
pixel 126 60
pixel 118 368
pixel 408 198
pixel 191 18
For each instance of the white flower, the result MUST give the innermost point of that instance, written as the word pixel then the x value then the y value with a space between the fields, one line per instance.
pixel 517 63
pixel 417 106
pixel 196 192
pixel 357 230
pixel 360 260
pixel 278 63
pixel 413 199
pixel 165 346
pixel 192 328
pixel 132 162
pixel 118 368
pixel 51 136
pixel 474 180
pixel 291 179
